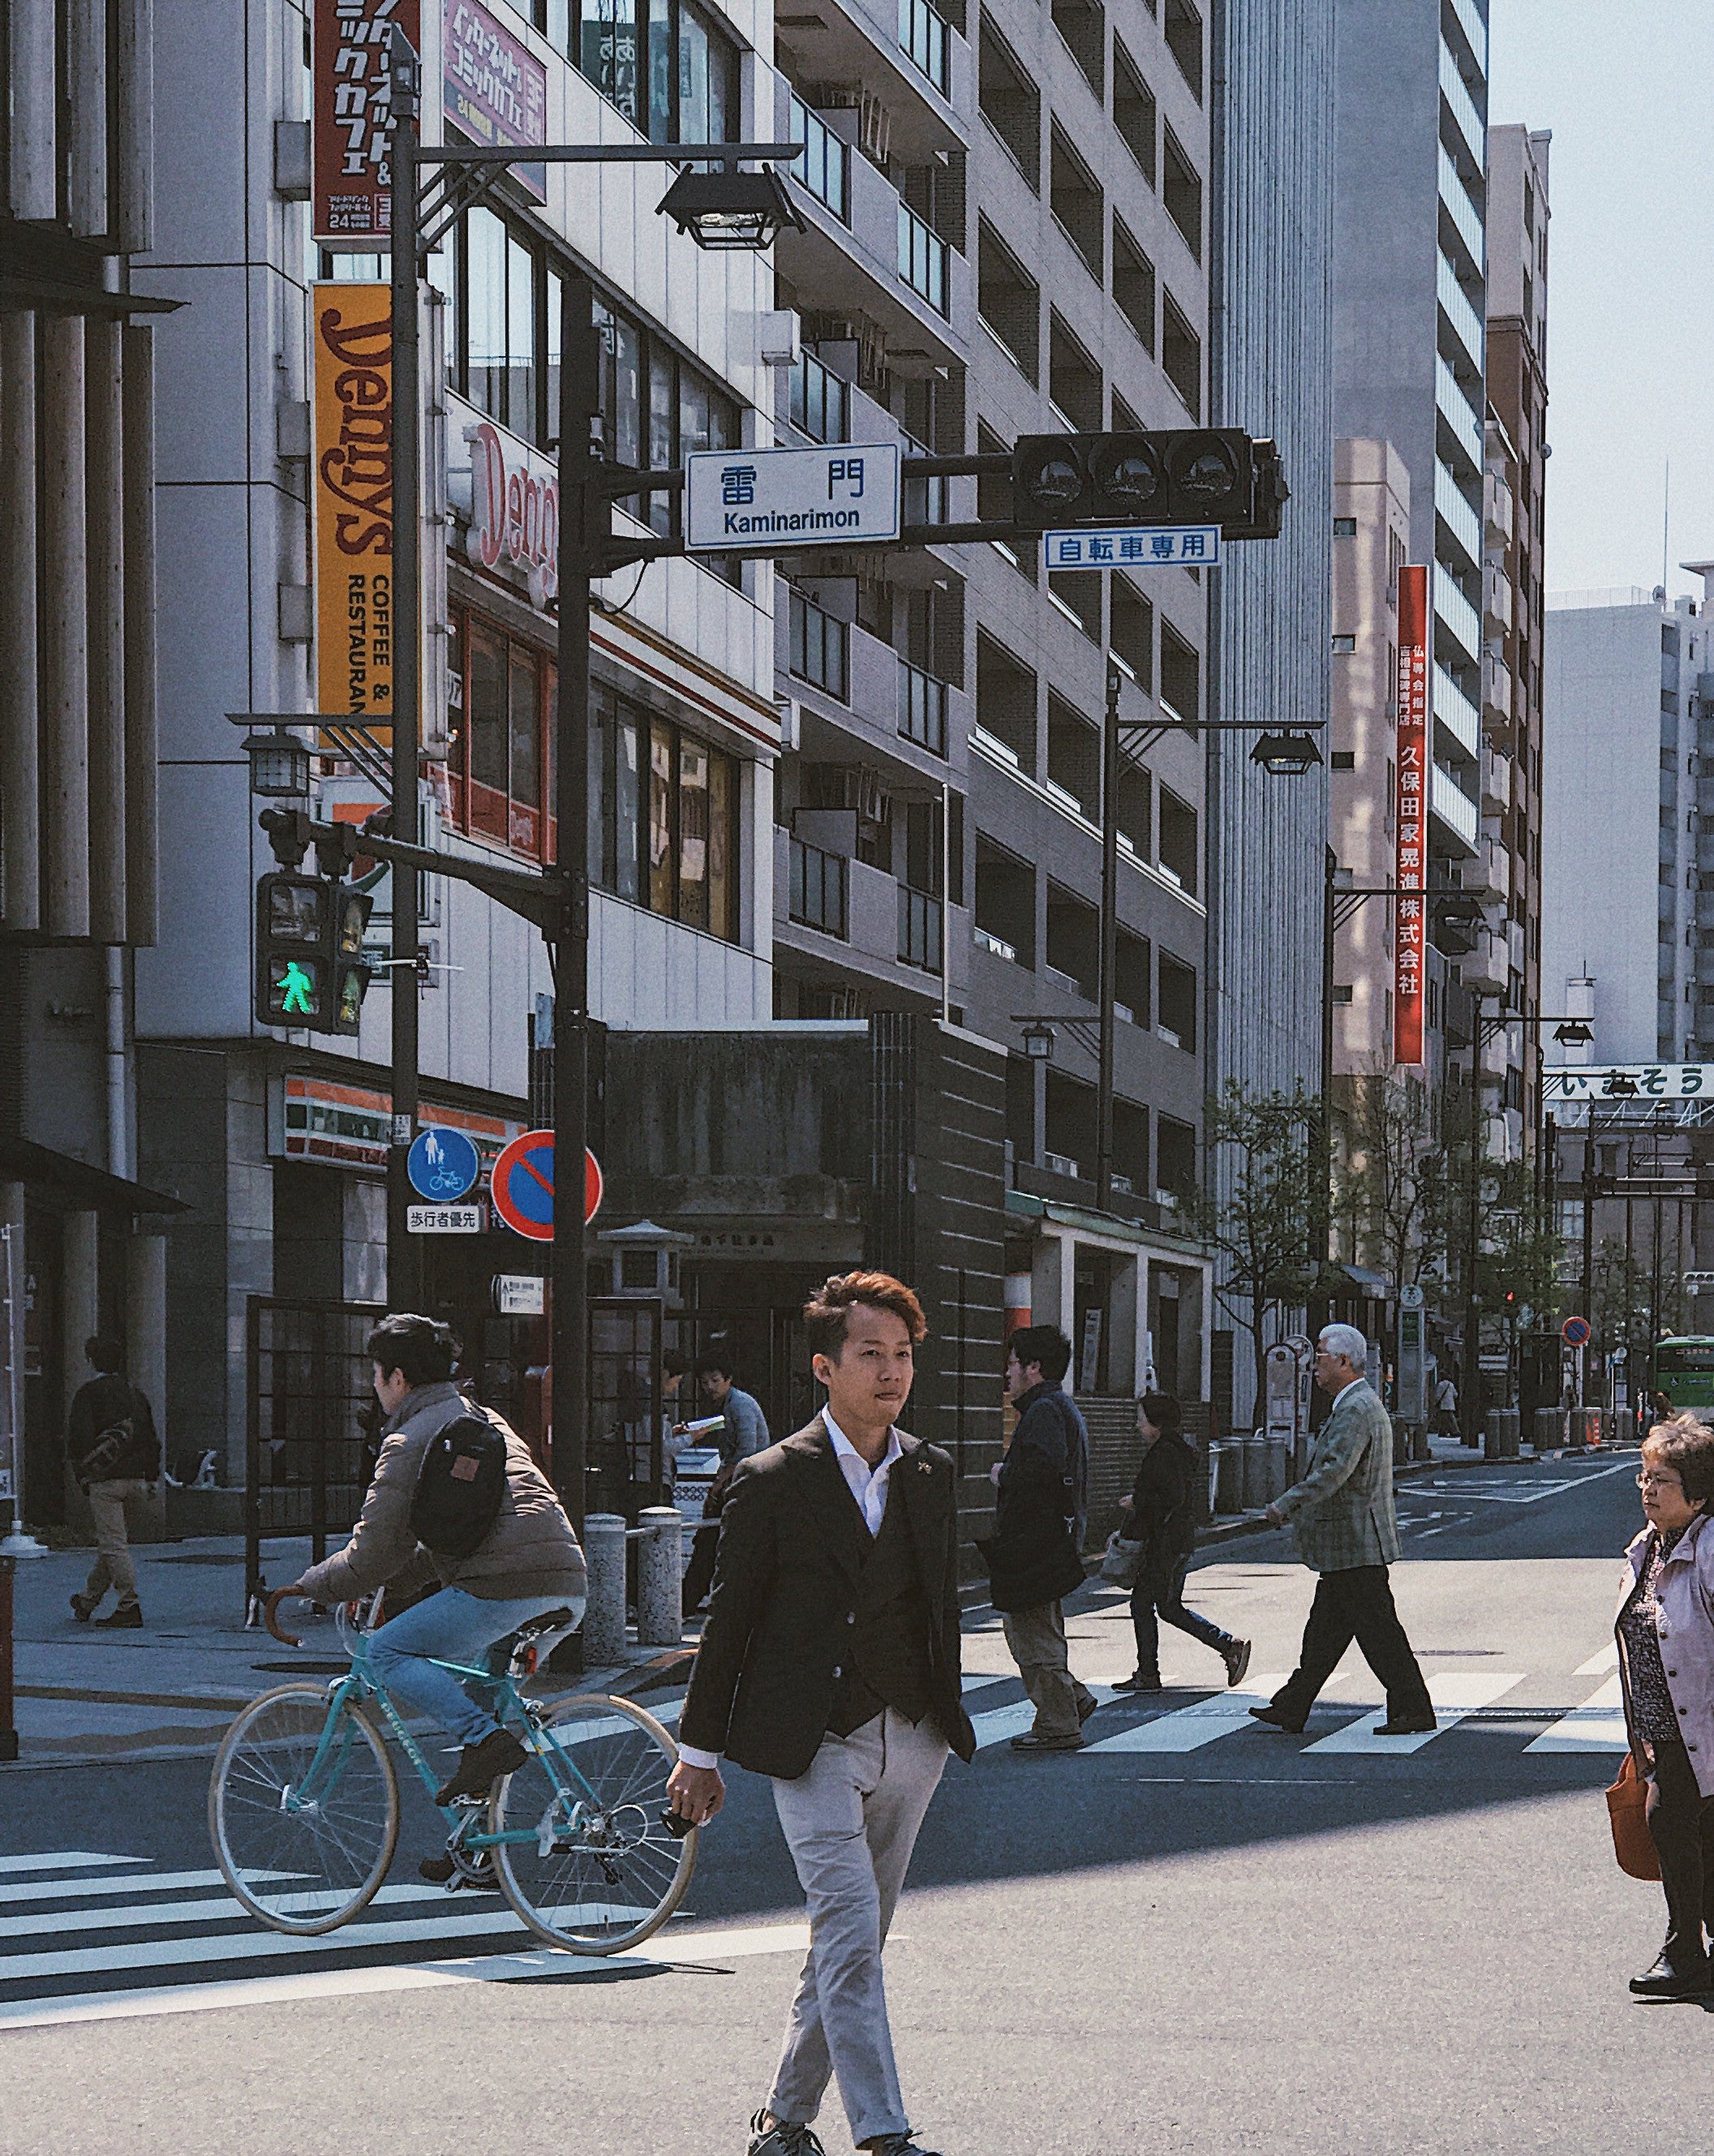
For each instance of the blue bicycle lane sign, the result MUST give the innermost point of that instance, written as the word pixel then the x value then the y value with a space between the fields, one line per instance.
pixel 443 1164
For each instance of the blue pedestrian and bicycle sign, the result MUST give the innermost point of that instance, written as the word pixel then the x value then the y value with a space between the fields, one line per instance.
pixel 443 1164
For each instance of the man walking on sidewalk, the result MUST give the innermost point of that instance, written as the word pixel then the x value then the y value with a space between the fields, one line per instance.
pixel 1034 1558
pixel 115 1454
pixel 830 1662
pixel 1341 1514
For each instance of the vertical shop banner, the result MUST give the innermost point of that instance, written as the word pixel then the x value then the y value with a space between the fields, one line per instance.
pixel 1410 940
pixel 353 500
pixel 351 113
pixel 495 88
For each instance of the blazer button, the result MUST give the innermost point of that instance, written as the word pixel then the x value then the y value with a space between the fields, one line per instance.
pixel 851 1617
pixel 839 1673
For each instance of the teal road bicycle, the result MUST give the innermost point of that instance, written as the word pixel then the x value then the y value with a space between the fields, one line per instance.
pixel 304 1804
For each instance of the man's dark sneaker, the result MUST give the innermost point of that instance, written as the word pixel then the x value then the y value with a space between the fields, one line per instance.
pixel 1663 1981
pixel 1030 1742
pixel 82 1609
pixel 899 2144
pixel 1407 1725
pixel 1140 1680
pixel 437 1870
pixel 1277 1718
pixel 1236 1656
pixel 786 2137
pixel 500 1752
pixel 122 1621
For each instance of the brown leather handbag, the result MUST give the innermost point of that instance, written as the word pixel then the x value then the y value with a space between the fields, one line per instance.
pixel 1627 1809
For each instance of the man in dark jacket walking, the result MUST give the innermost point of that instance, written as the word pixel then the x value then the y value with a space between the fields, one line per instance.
pixel 1034 1558
pixel 1162 1517
pixel 115 1454
pixel 830 1663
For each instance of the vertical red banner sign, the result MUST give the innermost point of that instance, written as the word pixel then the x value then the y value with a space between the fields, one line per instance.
pixel 1410 938
pixel 353 114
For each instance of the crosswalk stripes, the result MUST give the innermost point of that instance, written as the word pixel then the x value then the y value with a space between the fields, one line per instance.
pixel 83 1900
pixel 1597 1726
pixel 1455 1694
pixel 1188 1728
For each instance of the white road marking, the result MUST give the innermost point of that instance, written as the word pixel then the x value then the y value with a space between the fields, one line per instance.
pixel 225 1910
pixel 1599 1664
pixel 976 1683
pixel 1188 1728
pixel 63 1859
pixel 660 1953
pixel 1597 1726
pixel 1000 1723
pixel 138 1882
pixel 1455 1693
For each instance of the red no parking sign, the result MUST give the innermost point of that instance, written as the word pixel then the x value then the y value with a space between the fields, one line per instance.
pixel 521 1186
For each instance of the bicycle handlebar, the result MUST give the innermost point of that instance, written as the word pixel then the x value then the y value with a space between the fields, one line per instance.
pixel 273 1601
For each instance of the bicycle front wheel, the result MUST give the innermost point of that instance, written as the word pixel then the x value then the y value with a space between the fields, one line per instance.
pixel 592 1867
pixel 303 1844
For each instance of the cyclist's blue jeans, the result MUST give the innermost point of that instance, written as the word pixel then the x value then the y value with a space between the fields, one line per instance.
pixel 451 1626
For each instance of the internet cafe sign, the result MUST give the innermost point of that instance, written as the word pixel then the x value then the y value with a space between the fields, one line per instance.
pixel 510 494
pixel 353 499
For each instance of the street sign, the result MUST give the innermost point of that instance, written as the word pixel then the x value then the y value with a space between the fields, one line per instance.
pixel 520 1294
pixel 521 1186
pixel 1126 546
pixel 443 1219
pixel 1575 1331
pixel 443 1164
pixel 778 498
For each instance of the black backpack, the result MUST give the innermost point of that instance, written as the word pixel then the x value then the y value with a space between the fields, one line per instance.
pixel 460 1487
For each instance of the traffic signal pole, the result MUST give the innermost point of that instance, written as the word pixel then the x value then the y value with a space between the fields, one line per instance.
pixel 404 1268
pixel 1109 939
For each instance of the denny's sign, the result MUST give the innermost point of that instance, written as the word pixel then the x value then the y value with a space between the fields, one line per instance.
pixel 355 628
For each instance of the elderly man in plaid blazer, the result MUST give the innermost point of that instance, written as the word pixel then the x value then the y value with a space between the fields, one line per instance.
pixel 1343 1517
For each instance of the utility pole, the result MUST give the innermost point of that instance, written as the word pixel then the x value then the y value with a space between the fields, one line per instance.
pixel 1109 937
pixel 404 1268
pixel 1471 1400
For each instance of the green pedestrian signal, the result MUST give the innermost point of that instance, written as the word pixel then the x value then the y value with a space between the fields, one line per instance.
pixel 310 967
pixel 294 985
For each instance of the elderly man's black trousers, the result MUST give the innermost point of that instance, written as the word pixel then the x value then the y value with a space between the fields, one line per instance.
pixel 1355 1604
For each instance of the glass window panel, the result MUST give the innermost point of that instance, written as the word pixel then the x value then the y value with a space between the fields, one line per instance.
pixel 603 849
pixel 663 446
pixel 520 341
pixel 628 804
pixel 455 697
pixel 722 830
pixel 554 302
pixel 486 722
pixel 452 276
pixel 660 73
pixel 693 77
pixel 559 27
pixel 626 407
pixel 550 729
pixel 485 266
pixel 526 714
pixel 661 817
pixel 610 55
pixel 694 432
pixel 693 833
pixel 722 89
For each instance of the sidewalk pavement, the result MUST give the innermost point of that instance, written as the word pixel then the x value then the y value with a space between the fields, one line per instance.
pixel 85 1695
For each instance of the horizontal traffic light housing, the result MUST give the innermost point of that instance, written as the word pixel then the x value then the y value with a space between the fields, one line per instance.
pixel 1186 475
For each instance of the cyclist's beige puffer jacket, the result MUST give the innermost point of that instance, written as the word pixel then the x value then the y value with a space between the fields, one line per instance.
pixel 531 1551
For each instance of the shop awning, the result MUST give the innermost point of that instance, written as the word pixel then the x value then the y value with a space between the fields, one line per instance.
pixel 1026 1205
pixel 75 1183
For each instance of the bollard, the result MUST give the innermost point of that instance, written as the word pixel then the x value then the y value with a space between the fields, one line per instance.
pixel 1512 1432
pixel 1550 1429
pixel 660 1620
pixel 604 1619
pixel 1401 1441
pixel 1253 1468
pixel 1493 1434
pixel 13 1547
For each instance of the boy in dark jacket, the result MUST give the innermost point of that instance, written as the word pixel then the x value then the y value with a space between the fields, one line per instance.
pixel 115 1454
pixel 1163 1518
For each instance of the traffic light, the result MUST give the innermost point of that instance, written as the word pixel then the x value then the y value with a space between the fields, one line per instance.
pixel 309 970
pixel 1186 475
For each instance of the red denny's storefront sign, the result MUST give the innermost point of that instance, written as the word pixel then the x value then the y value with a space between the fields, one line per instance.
pixel 510 493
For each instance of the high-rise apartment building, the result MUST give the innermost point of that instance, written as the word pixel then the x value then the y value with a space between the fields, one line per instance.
pixel 1009 233
pixel 1409 348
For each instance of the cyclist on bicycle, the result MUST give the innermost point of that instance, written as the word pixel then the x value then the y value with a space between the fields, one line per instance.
pixel 528 1564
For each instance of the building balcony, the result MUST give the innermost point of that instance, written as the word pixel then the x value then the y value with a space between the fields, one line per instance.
pixel 1466 218
pixel 1461 317
pixel 1496 602
pixel 1497 783
pixel 1455 811
pixel 1475 31
pixel 1485 970
pixel 1496 508
pixel 1465 118
pixel 841 918
pixel 1455 513
pixel 1454 711
pixel 1463 421
pixel 1456 618
pixel 908 61
pixel 859 700
pixel 1488 873
pixel 1497 688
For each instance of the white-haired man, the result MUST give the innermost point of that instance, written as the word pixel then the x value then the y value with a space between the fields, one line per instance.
pixel 1342 1517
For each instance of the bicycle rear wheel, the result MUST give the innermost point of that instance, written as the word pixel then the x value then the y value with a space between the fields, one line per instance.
pixel 599 1872
pixel 304 1852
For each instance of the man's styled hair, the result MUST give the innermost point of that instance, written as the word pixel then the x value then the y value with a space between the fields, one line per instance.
pixel 422 1349
pixel 1347 1341
pixel 718 1359
pixel 1686 1445
pixel 106 1354
pixel 1044 1344
pixel 827 1315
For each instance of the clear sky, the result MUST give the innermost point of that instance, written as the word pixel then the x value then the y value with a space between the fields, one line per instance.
pixel 1630 294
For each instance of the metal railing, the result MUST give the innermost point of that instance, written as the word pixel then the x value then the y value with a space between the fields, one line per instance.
pixel 922 259
pixel 819 889
pixel 923 36
pixel 825 169
pixel 922 708
pixel 820 647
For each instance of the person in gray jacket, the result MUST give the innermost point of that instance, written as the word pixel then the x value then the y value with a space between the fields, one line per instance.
pixel 1342 1517
pixel 528 1564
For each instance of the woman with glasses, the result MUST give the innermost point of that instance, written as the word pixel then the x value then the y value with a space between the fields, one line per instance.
pixel 1666 1631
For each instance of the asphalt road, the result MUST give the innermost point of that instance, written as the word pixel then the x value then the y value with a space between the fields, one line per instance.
pixel 1198 1935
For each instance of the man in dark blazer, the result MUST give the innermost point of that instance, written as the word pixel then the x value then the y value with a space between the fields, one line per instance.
pixel 829 1662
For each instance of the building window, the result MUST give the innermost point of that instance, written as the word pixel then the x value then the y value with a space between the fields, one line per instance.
pixel 1181 191
pixel 1344 759
pixel 1083 24
pixel 1005 903
pixel 1345 644
pixel 1175 1159
pixel 1183 32
pixel 1180 674
pixel 1132 631
pixel 1006 702
pixel 1009 301
pixel 1010 103
pixel 825 166
pixel 1134 284
pixel 1345 527
pixel 499 758
pixel 819 646
pixel 1077 204
pixel 818 895
pixel 1178 851
pixel 664 63
pixel 1175 1003
pixel 1073 378
pixel 1342 994
pixel 1181 356
pixel 1134 110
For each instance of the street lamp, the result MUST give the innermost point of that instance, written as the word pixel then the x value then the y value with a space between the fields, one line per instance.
pixel 1573 1034
pixel 724 211
pixel 1039 1042
pixel 280 766
pixel 1287 755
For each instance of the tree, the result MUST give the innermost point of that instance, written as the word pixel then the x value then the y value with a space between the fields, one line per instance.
pixel 1256 1211
pixel 1388 1170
